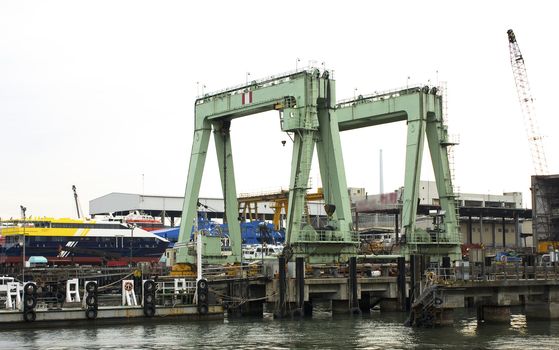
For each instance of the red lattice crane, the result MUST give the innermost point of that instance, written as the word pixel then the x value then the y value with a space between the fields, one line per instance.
pixel 527 105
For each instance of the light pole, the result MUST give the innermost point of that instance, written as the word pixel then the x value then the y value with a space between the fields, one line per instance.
pixel 131 226
pixel 23 210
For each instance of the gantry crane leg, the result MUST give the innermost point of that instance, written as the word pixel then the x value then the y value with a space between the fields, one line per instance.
pixel 303 148
pixel 222 138
pixel 197 160
pixel 414 155
pixel 334 183
pixel 437 138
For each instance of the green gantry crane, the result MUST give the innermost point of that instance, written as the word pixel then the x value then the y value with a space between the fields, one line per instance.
pixel 307 102
pixel 421 108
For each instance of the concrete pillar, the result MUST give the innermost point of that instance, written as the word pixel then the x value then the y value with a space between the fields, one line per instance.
pixel 416 272
pixel 242 290
pixel 282 280
pixel 545 306
pixel 251 308
pixel 390 305
pixel 504 298
pixel 354 298
pixel 365 302
pixel 340 307
pixel 402 286
pixel 300 276
pixel 307 308
pixel 447 317
pixel 542 310
pixel 494 314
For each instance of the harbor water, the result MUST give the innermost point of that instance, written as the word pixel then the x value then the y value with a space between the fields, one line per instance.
pixel 323 331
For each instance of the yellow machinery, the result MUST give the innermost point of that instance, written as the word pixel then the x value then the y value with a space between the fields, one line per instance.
pixel 547 246
pixel 248 205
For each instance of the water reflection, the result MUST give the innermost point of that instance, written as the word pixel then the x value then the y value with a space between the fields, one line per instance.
pixel 518 323
pixel 31 337
pixel 90 334
pixel 372 331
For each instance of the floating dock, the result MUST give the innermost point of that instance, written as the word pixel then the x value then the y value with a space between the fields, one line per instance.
pixel 84 302
pixel 108 315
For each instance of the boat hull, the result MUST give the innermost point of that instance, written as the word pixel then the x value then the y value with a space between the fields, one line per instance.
pixel 95 246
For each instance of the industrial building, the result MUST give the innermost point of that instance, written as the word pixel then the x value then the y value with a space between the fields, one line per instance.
pixel 485 219
pixel 169 208
pixel 488 219
pixel 545 203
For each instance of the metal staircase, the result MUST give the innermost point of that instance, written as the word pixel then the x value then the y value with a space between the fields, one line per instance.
pixel 426 310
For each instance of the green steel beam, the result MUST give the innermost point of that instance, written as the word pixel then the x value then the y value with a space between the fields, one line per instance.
pixel 377 110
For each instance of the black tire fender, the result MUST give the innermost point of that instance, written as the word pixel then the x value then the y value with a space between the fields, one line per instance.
pixel 30 288
pixel 203 309
pixel 91 300
pixel 29 316
pixel 202 297
pixel 91 314
pixel 29 302
pixel 149 310
pixel 149 298
pixel 149 286
pixel 202 284
pixel 91 287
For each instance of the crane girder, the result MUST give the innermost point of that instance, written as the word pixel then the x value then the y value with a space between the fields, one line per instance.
pixel 364 112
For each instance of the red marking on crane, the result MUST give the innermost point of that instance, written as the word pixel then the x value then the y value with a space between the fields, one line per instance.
pixel 247 97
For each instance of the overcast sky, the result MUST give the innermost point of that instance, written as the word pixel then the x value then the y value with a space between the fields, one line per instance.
pixel 95 94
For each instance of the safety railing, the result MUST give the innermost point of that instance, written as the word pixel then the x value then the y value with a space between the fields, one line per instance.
pixel 434 237
pixel 476 273
pixel 259 82
pixel 382 95
pixel 250 268
pixel 267 192
pixel 329 236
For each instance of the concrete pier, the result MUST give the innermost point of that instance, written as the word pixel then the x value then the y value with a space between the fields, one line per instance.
pixel 390 305
pixel 340 307
pixel 494 313
pixel 545 305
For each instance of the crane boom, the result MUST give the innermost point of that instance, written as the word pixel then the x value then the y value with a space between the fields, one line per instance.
pixel 78 206
pixel 527 105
